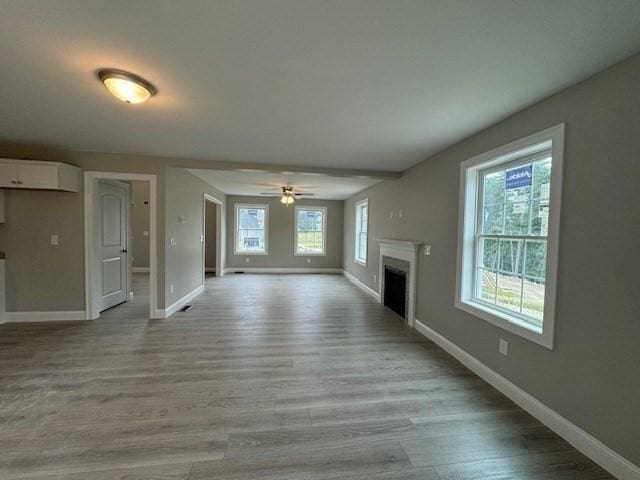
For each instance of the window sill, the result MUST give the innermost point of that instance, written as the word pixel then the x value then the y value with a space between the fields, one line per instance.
pixel 360 262
pixel 507 322
pixel 309 254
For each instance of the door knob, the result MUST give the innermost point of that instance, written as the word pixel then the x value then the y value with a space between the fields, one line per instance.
pixel 124 250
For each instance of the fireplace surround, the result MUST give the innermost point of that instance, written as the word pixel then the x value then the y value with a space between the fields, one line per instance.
pixel 401 256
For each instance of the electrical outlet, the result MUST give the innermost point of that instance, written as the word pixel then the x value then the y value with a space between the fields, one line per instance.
pixel 427 249
pixel 375 278
pixel 308 260
pixel 247 259
pixel 503 347
pixel 54 240
pixel 201 238
pixel 171 288
pixel 145 233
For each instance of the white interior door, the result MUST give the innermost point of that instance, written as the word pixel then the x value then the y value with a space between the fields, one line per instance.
pixel 113 239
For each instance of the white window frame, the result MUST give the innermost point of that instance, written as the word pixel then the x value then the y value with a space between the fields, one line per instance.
pixel 324 232
pixel 237 208
pixel 470 173
pixel 359 205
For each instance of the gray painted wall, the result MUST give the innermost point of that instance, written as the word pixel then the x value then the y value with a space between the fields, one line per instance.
pixel 184 261
pixel 210 240
pixel 42 277
pixel 591 377
pixel 281 239
pixel 140 223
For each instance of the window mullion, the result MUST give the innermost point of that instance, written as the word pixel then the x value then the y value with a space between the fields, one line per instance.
pixel 495 295
pixel 533 177
pixel 524 259
pixel 498 236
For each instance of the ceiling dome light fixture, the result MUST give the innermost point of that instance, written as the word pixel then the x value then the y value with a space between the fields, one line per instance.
pixel 126 86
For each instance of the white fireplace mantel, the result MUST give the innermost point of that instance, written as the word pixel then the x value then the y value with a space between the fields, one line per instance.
pixel 400 244
pixel 404 250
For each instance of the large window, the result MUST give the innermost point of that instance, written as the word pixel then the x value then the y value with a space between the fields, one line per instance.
pixel 251 229
pixel 362 227
pixel 508 244
pixel 310 232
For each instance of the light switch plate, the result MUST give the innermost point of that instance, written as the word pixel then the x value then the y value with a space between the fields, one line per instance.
pixel 173 242
pixel 427 249
pixel 145 233
pixel 503 347
pixel 54 240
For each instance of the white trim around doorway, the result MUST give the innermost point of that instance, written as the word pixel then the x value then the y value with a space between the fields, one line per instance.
pixel 220 235
pixel 90 181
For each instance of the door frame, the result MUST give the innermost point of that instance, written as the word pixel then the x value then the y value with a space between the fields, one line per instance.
pixel 90 182
pixel 219 234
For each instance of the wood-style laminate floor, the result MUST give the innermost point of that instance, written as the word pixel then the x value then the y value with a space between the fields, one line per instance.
pixel 287 377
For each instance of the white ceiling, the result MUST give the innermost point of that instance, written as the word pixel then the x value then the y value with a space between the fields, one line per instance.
pixel 375 84
pixel 325 187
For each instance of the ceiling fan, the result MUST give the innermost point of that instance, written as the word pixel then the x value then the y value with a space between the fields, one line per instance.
pixel 287 196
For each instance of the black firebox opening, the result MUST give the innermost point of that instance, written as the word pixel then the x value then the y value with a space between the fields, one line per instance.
pixel 395 290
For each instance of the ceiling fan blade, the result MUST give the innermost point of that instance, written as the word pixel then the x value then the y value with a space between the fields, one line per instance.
pixel 270 194
pixel 304 194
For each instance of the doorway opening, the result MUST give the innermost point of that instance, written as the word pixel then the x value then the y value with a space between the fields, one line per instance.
pixel 212 237
pixel 112 242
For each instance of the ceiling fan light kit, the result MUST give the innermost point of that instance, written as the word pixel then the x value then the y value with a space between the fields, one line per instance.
pixel 287 196
pixel 287 199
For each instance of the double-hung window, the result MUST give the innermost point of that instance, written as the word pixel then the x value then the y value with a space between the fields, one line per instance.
pixel 509 235
pixel 251 233
pixel 362 227
pixel 310 231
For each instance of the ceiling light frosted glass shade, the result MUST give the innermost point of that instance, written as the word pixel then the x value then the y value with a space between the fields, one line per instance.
pixel 126 86
pixel 287 199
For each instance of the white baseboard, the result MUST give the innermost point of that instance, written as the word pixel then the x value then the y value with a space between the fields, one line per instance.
pixel 178 304
pixel 53 316
pixel 362 286
pixel 139 269
pixel 593 448
pixel 281 270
